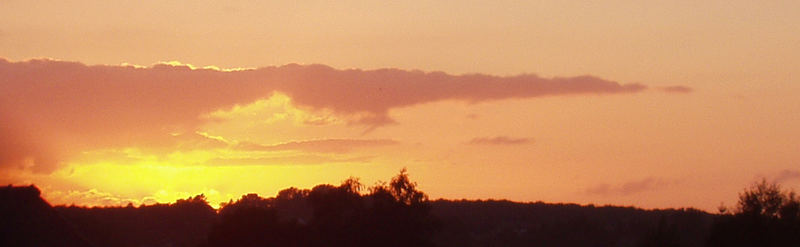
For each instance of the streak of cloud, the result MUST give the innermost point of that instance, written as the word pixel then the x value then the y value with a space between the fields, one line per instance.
pixel 787 175
pixel 93 197
pixel 627 188
pixel 500 140
pixel 677 89
pixel 319 146
pixel 287 160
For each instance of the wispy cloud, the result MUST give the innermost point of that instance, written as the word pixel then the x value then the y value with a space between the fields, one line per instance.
pixel 320 146
pixel 628 188
pixel 500 140
pixel 92 197
pixel 677 89
pixel 303 159
pixel 787 175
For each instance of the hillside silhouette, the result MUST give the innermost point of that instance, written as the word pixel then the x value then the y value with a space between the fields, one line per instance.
pixel 395 213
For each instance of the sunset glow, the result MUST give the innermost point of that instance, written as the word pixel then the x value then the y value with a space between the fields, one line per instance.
pixel 675 104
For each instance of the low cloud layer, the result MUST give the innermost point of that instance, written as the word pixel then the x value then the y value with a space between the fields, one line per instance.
pixel 93 197
pixel 787 175
pixel 73 107
pixel 319 146
pixel 305 159
pixel 677 89
pixel 627 188
pixel 500 140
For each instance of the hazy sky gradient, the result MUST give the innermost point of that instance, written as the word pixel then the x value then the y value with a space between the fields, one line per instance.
pixel 717 104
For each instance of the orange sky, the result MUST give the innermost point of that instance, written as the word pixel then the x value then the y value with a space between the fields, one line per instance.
pixel 671 104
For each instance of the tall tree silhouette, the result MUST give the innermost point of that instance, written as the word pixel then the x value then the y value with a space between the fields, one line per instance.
pixel 400 214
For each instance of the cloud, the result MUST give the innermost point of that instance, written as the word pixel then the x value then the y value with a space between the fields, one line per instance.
pixel 318 146
pixel 287 160
pixel 500 140
pixel 18 148
pixel 76 107
pixel 375 92
pixel 91 198
pixel 627 188
pixel 787 175
pixel 677 89
pixel 193 141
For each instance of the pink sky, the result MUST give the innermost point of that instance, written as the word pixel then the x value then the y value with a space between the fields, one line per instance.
pixel 678 104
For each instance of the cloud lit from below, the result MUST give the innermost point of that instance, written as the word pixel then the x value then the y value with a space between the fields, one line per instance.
pixel 77 108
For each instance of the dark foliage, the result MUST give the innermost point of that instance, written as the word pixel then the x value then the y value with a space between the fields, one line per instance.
pixel 27 220
pixel 394 214
pixel 327 215
pixel 505 223
pixel 765 216
pixel 183 223
pixel 253 221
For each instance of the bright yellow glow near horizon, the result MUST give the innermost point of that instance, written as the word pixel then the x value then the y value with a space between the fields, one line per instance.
pixel 117 185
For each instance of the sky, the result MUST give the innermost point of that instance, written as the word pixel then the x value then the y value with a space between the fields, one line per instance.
pixel 651 104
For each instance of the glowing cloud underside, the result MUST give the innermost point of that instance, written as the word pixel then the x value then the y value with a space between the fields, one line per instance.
pixel 48 104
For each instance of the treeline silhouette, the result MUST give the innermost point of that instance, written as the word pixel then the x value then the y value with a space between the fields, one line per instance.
pixel 183 223
pixel 505 223
pixel 395 213
pixel 387 214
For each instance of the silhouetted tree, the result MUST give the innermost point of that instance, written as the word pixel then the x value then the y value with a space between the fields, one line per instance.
pixel 337 215
pixel 405 191
pixel 253 222
pixel 183 223
pixel 762 199
pixel 764 216
pixel 399 214
pixel 327 215
pixel 790 210
pixel 292 205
